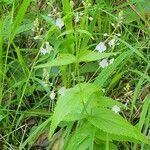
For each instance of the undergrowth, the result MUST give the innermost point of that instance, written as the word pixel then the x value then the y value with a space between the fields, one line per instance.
pixel 75 75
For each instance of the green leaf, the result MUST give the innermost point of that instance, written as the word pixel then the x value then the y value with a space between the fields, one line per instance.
pixel 34 135
pixel 102 146
pixel 61 60
pixel 80 139
pixel 112 123
pixel 24 28
pixel 19 17
pixel 103 136
pixel 88 56
pixel 105 102
pixel 73 102
pixel 145 109
pixel 85 32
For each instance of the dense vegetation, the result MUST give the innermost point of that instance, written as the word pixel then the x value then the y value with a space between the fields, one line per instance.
pixel 75 75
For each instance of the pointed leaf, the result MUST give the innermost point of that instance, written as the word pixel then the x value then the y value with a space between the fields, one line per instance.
pixel 61 60
pixel 112 123
pixel 72 103
pixel 88 56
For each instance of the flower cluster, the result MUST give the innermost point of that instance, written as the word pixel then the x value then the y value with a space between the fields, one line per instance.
pixel 105 62
pixel 61 92
pixel 101 47
pixel 77 17
pixel 47 49
pixel 116 109
pixel 59 23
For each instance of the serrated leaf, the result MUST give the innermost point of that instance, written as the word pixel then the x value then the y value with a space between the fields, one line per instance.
pixel 61 60
pixel 106 102
pixel 72 102
pixel 112 123
pixel 103 136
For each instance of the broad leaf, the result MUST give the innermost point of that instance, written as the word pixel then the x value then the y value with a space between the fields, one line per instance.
pixel 73 102
pixel 112 123
pixel 62 59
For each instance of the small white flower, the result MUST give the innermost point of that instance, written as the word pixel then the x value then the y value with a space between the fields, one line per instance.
pixel 101 47
pixel 80 13
pixel 48 47
pixel 127 102
pixel 46 50
pixel 52 95
pixel 91 18
pixel 54 10
pixel 59 23
pixel 62 91
pixel 104 63
pixel 116 109
pixel 113 24
pixel 111 61
pixel 83 2
pixel 105 34
pixel 77 18
pixel 112 42
pixel 118 34
pixel 43 51
pixel 36 37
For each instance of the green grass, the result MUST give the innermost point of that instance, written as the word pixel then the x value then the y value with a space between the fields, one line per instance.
pixel 33 117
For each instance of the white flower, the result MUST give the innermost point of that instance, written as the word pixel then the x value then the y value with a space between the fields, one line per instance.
pixel 112 42
pixel 113 24
pixel 36 37
pixel 127 102
pixel 80 13
pixel 48 47
pixel 105 34
pixel 83 2
pixel 77 18
pixel 43 51
pixel 104 63
pixel 101 47
pixel 46 50
pixel 116 109
pixel 59 23
pixel 119 34
pixel 52 95
pixel 90 18
pixel 62 91
pixel 111 61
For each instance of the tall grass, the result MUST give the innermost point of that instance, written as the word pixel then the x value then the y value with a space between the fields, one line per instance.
pixel 58 90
